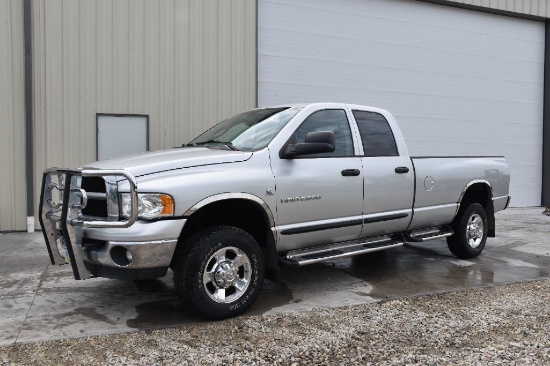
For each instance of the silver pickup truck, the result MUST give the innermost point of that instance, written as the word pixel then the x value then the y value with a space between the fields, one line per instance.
pixel 288 185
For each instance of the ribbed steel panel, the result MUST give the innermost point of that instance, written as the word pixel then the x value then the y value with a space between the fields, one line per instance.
pixel 536 8
pixel 12 117
pixel 459 82
pixel 185 63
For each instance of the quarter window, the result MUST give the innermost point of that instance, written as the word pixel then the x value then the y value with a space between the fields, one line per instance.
pixel 334 120
pixel 376 134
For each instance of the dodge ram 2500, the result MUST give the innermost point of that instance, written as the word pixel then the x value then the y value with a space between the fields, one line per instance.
pixel 288 185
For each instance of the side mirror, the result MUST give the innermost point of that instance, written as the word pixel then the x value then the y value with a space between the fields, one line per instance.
pixel 315 143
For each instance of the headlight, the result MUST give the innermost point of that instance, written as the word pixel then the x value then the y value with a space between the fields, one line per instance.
pixel 150 205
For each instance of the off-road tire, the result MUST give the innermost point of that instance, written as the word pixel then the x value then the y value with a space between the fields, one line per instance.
pixel 469 238
pixel 195 257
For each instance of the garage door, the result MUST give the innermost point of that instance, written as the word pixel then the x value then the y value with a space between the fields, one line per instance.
pixel 459 82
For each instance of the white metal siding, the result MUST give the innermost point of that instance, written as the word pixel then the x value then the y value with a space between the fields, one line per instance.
pixel 459 82
pixel 12 117
pixel 185 63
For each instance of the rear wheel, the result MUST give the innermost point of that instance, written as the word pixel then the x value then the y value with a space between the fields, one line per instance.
pixel 470 227
pixel 219 271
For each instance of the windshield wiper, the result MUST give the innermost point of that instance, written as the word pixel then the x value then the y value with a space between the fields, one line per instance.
pixel 229 145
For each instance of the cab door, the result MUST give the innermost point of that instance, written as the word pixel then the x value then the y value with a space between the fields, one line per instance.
pixel 389 177
pixel 319 197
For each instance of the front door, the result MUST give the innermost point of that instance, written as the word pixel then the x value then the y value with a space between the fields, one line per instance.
pixel 319 197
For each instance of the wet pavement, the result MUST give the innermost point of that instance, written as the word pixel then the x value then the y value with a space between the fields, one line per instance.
pixel 39 301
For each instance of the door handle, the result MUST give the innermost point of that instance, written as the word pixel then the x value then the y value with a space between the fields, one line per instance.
pixel 350 172
pixel 401 170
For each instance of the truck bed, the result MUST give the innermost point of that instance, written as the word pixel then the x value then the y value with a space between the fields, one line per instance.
pixel 441 180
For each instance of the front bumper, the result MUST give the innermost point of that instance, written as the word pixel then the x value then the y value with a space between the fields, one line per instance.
pixel 107 247
pixel 144 245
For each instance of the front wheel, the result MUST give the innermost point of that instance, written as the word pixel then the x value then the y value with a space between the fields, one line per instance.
pixel 219 271
pixel 470 227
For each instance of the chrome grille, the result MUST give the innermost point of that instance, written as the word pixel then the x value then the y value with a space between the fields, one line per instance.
pixel 97 198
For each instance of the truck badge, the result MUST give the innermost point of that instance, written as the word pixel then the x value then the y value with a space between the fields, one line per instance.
pixel 298 199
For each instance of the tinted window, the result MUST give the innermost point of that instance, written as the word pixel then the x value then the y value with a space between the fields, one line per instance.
pixel 376 134
pixel 334 120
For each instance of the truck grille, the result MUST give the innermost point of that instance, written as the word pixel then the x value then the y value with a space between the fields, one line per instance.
pixel 96 207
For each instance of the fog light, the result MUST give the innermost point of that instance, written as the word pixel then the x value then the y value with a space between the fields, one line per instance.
pixel 129 256
pixel 121 256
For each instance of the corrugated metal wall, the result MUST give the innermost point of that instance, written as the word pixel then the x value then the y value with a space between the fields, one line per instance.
pixel 185 63
pixel 12 117
pixel 538 8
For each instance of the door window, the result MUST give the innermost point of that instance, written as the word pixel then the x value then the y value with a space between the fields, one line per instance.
pixel 334 120
pixel 376 134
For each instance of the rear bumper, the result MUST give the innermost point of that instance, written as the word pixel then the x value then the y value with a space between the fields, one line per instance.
pixel 508 202
pixel 501 203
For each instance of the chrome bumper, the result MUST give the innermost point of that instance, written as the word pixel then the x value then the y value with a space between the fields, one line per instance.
pixel 149 244
pixel 133 254
pixel 60 214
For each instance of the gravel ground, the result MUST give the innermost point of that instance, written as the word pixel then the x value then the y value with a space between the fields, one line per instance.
pixel 507 325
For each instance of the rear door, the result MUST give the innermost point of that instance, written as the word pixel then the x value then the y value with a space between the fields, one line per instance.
pixel 389 176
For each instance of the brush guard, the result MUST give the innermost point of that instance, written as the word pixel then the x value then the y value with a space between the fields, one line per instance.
pixel 61 217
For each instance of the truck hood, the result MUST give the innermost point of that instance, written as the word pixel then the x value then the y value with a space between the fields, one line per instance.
pixel 178 158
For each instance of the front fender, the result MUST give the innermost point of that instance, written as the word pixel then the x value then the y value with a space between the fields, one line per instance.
pixel 226 196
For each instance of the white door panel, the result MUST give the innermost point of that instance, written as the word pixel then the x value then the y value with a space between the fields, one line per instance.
pixel 459 82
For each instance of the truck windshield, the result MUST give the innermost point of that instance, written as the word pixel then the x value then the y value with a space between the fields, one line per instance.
pixel 248 131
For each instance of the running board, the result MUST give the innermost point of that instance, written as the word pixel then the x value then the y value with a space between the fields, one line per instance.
pixel 302 257
pixel 429 234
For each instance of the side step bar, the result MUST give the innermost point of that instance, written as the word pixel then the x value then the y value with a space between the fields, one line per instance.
pixel 302 257
pixel 429 234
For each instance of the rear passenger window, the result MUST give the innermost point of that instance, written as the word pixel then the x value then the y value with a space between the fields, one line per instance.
pixel 334 120
pixel 376 134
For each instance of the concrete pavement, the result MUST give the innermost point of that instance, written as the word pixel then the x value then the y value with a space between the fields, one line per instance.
pixel 40 302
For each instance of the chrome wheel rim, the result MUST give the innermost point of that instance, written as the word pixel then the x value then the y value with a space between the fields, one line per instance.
pixel 475 230
pixel 227 275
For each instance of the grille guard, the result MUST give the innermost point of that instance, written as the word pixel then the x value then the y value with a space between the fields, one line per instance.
pixel 59 219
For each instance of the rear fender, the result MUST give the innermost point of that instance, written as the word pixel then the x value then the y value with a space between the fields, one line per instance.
pixel 479 191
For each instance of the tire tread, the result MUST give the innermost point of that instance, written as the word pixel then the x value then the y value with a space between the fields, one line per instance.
pixel 186 264
pixel 457 243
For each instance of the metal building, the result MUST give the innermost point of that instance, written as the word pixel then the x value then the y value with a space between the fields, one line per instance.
pixel 462 77
pixel 185 64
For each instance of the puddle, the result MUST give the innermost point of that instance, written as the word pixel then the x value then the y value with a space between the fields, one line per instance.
pixel 162 313
pixel 90 313
pixel 153 285
pixel 273 295
pixel 430 268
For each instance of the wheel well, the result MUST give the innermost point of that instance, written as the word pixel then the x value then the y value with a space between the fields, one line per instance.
pixel 476 193
pixel 480 193
pixel 241 213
